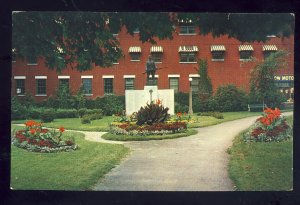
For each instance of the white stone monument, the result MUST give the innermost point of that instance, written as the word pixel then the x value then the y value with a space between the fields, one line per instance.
pixel 135 99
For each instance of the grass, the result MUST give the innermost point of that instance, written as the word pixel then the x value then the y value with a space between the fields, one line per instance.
pixel 75 124
pixel 110 136
pixel 78 170
pixel 262 166
pixel 204 121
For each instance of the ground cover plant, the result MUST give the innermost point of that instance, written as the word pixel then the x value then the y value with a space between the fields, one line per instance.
pixel 35 138
pixel 79 170
pixel 261 166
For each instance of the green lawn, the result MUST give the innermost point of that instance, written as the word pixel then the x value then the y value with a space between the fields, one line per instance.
pixel 75 124
pixel 204 121
pixel 110 136
pixel 262 166
pixel 78 170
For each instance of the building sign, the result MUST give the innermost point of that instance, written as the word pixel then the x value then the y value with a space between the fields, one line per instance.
pixel 284 78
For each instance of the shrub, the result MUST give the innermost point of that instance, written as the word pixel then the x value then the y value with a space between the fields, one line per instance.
pixel 231 98
pixel 66 113
pixel 85 119
pixel 93 111
pixel 81 112
pixel 181 98
pixel 35 138
pixel 47 115
pixel 110 104
pixel 27 100
pixel 95 116
pixel 51 102
pixel 152 113
pixel 18 112
pixel 34 113
pixel 181 108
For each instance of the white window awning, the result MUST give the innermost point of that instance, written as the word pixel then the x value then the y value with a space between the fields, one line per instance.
pixel 188 49
pixel 135 49
pixel 269 48
pixel 246 48
pixel 217 48
pixel 156 49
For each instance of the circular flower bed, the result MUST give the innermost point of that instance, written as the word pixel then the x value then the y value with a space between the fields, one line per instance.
pixel 37 139
pixel 271 127
pixel 154 129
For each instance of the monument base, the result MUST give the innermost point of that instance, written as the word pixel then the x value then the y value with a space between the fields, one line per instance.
pixel 135 99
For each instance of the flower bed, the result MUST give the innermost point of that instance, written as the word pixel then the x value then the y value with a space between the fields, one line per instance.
pixel 271 127
pixel 154 129
pixel 37 139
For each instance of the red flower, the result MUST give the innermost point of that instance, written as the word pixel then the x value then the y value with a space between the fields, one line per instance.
pixel 44 130
pixel 32 131
pixel 179 114
pixel 277 112
pixel 158 102
pixel 29 123
pixel 61 129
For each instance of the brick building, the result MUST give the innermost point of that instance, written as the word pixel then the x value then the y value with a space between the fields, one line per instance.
pixel 228 63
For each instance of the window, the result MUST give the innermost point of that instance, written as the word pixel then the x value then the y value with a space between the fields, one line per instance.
pixel 64 82
pixel 195 84
pixel 135 56
pixel 129 83
pixel 87 86
pixel 135 53
pixel 20 86
pixel 157 57
pixel 156 53
pixel 174 84
pixel 246 55
pixel 246 52
pixel 268 50
pixel 186 57
pixel 187 29
pixel 218 55
pixel 217 52
pixel 31 60
pixel 41 86
pixel 108 86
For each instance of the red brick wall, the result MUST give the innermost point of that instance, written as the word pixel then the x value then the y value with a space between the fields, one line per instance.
pixel 231 70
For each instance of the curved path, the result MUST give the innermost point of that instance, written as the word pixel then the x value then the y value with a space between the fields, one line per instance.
pixel 194 163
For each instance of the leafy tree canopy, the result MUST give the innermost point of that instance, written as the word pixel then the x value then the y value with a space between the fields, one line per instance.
pixel 81 39
pixel 262 83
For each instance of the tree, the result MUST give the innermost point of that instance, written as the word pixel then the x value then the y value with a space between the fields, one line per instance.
pixel 205 86
pixel 81 39
pixel 262 83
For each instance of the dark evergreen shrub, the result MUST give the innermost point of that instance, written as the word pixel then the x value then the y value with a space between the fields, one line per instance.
pixel 110 104
pixel 66 113
pixel 231 98
pixel 47 116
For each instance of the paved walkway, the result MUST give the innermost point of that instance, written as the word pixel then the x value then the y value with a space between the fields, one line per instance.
pixel 194 163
